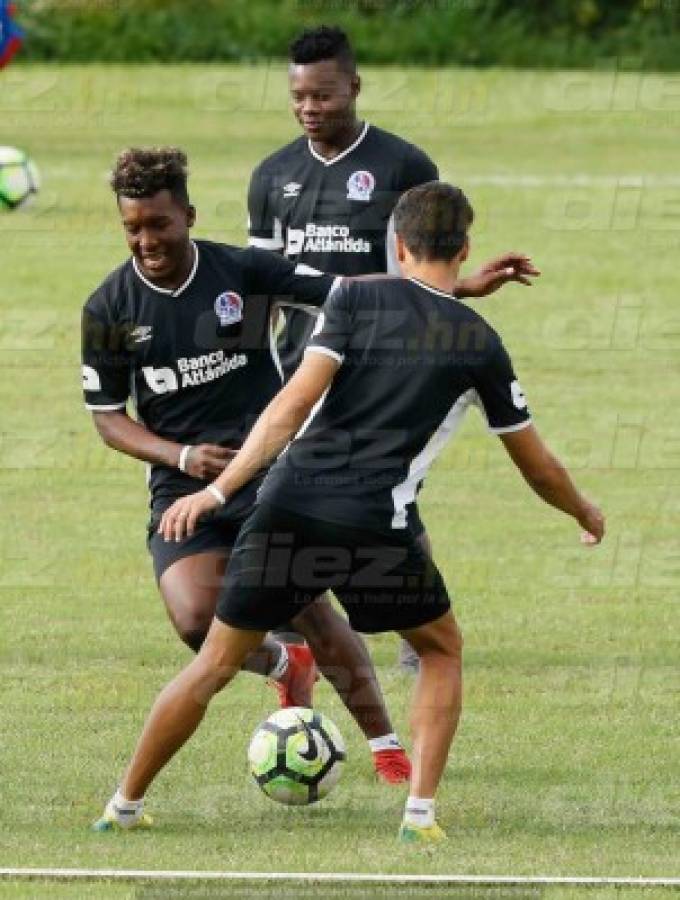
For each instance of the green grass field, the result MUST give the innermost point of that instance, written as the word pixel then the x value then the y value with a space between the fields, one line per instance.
pixel 568 756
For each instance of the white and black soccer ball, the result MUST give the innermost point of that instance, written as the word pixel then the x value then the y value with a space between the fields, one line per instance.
pixel 19 178
pixel 296 756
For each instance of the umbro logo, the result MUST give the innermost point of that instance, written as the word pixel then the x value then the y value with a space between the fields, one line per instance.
pixel 292 189
pixel 141 333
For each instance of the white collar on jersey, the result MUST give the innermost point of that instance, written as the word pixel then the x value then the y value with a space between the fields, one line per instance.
pixel 433 290
pixel 168 291
pixel 346 152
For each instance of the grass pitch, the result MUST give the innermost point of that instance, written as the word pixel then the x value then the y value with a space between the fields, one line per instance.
pixel 566 761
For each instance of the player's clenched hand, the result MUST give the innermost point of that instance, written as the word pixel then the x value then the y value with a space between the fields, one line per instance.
pixel 208 460
pixel 495 273
pixel 592 522
pixel 180 519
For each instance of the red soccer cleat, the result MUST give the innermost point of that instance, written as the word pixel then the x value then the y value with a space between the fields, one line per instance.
pixel 392 766
pixel 297 684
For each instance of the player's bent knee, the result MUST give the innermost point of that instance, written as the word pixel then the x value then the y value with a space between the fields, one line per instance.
pixel 192 630
pixel 205 677
pixel 442 637
pixel 457 642
pixel 212 670
pixel 452 645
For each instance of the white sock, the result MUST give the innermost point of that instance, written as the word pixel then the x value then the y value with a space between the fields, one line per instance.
pixel 419 811
pixel 278 670
pixel 127 811
pixel 386 742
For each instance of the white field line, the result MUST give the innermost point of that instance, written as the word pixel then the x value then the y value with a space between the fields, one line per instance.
pixel 569 181
pixel 330 877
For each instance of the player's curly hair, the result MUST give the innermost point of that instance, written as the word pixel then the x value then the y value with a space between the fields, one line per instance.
pixel 316 44
pixel 143 172
pixel 433 220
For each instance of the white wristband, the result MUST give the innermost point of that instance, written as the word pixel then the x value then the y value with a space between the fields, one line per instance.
pixel 217 494
pixel 183 454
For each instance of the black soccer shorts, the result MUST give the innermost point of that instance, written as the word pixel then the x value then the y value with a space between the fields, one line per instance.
pixel 217 532
pixel 282 561
pixel 413 520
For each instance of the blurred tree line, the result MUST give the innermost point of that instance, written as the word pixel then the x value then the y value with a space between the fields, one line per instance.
pixel 642 34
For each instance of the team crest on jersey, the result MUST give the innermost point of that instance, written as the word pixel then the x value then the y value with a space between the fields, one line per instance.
pixel 291 190
pixel 229 308
pixel 360 186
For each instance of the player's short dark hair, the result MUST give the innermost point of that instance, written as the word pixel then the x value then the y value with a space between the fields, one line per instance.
pixel 143 172
pixel 433 220
pixel 317 44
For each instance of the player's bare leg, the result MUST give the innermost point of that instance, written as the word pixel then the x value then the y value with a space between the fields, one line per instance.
pixel 343 659
pixel 288 634
pixel 342 656
pixel 437 700
pixel 174 717
pixel 435 711
pixel 181 705
pixel 407 658
pixel 190 588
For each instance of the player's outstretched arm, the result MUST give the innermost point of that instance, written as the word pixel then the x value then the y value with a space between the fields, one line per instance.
pixel 277 424
pixel 280 421
pixel 550 480
pixel 511 266
pixel 122 433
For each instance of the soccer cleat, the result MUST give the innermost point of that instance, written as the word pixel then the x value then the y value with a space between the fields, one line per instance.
pixel 297 683
pixel 113 819
pixel 414 834
pixel 392 766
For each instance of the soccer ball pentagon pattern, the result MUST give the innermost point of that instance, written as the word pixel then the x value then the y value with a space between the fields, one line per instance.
pixel 19 178
pixel 296 756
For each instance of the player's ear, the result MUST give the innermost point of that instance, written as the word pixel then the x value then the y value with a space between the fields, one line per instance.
pixel 400 247
pixel 464 250
pixel 355 86
pixel 191 216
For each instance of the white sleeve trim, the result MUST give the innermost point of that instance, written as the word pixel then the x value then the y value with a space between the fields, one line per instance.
pixel 266 243
pixel 510 428
pixel 304 269
pixel 325 351
pixel 105 408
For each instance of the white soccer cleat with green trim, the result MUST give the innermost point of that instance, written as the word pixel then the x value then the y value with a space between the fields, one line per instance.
pixel 115 818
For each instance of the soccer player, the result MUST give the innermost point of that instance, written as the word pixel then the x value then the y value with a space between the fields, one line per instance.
pixel 11 36
pixel 184 328
pixel 388 375
pixel 325 199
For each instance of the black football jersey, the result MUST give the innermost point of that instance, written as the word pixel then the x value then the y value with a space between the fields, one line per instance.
pixel 331 214
pixel 200 363
pixel 413 361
